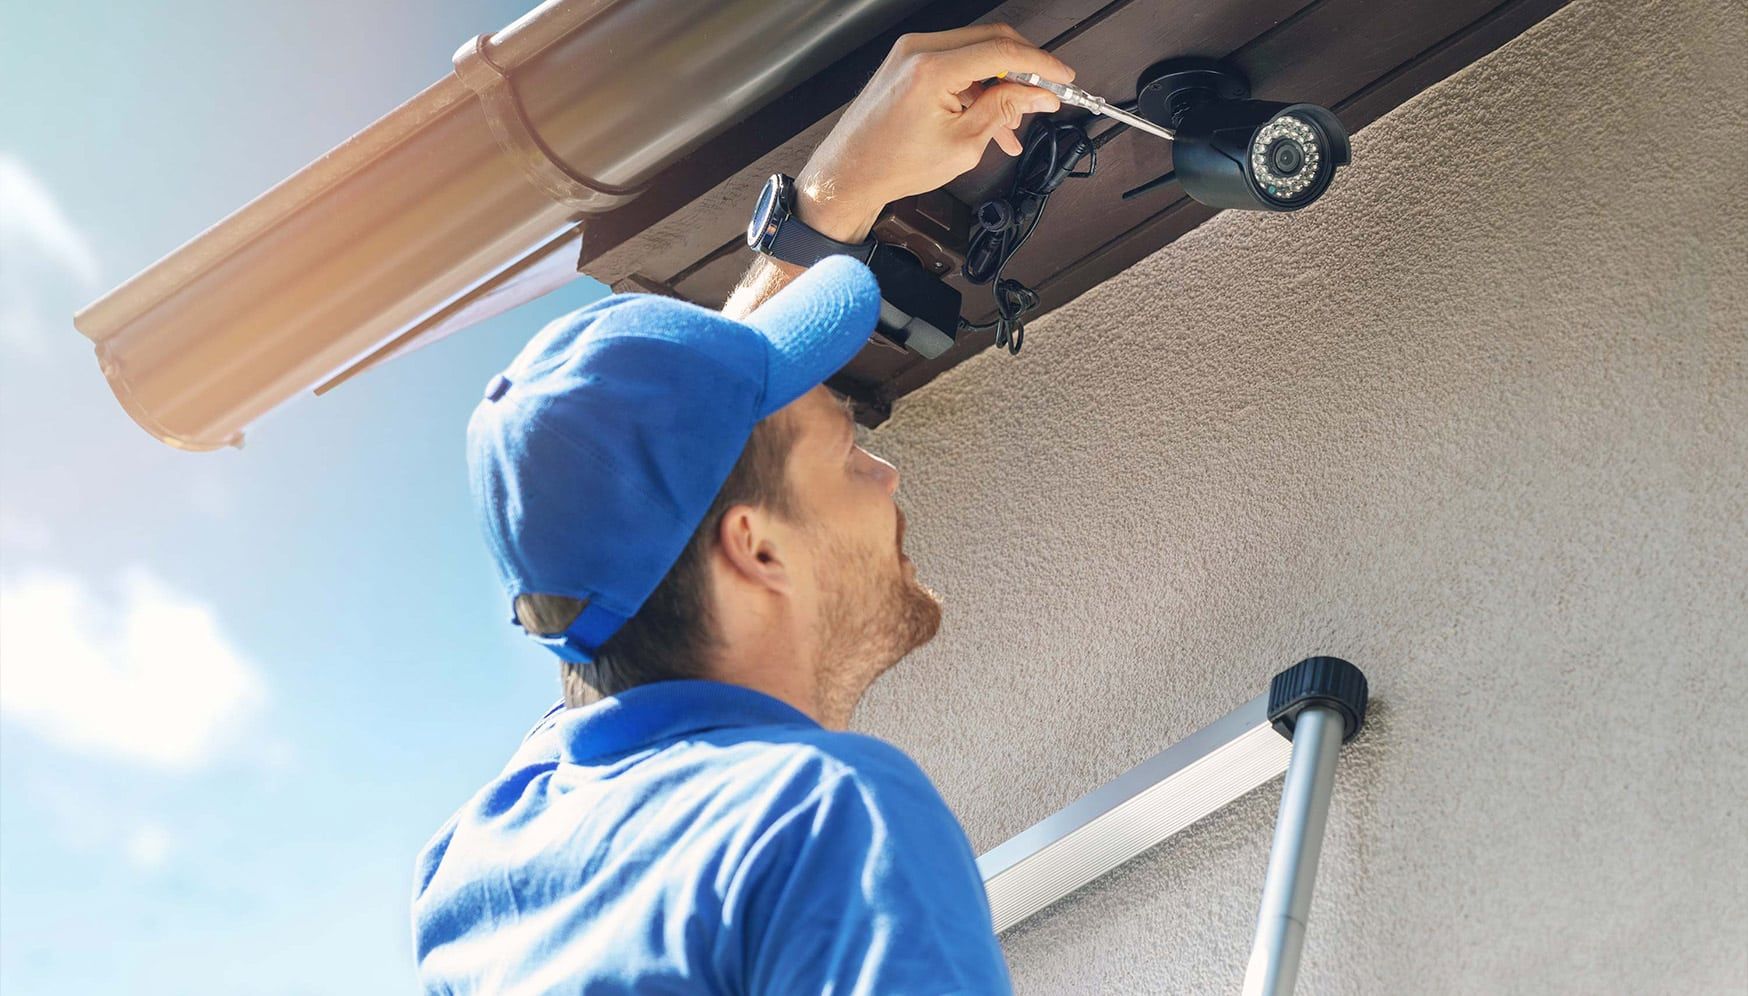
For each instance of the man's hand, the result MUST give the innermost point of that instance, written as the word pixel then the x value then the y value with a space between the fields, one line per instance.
pixel 925 118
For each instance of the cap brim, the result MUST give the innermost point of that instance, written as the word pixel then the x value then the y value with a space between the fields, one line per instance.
pixel 815 326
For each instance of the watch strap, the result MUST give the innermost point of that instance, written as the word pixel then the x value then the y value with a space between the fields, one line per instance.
pixel 796 243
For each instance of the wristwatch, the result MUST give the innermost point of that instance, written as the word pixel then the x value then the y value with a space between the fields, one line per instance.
pixel 776 232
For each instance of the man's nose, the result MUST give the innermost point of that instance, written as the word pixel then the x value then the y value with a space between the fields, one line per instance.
pixel 889 473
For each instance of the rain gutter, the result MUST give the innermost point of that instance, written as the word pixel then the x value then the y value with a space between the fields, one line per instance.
pixel 489 173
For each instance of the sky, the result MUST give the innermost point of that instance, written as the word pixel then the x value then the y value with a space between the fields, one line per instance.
pixel 239 690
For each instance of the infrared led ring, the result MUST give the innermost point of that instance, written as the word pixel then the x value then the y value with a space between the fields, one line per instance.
pixel 1285 156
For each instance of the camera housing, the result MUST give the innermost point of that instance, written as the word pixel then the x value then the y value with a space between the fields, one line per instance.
pixel 1233 152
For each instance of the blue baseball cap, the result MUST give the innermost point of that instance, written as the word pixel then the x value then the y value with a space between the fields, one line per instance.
pixel 596 453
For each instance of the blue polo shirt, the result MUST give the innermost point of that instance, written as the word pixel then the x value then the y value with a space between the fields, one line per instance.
pixel 703 837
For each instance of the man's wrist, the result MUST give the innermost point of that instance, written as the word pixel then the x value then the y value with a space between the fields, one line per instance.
pixel 826 207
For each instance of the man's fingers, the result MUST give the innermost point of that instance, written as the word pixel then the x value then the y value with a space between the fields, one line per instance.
pixel 955 69
pixel 969 95
pixel 1001 107
pixel 998 113
pixel 971 34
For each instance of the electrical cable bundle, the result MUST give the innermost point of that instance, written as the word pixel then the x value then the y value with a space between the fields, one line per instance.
pixel 1052 153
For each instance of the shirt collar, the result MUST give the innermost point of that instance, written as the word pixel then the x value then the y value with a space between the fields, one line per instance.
pixel 664 710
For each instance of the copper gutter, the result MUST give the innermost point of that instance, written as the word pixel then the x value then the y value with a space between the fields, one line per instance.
pixel 490 171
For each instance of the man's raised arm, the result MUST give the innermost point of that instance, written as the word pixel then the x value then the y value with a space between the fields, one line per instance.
pixel 922 120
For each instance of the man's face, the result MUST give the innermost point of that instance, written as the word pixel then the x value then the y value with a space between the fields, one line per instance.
pixel 872 609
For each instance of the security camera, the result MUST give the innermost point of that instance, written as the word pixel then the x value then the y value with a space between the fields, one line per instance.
pixel 1258 154
pixel 1233 152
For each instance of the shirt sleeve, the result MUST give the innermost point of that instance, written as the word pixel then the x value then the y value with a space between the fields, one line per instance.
pixel 867 886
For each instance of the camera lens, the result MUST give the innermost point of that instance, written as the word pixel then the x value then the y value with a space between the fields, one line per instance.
pixel 1284 157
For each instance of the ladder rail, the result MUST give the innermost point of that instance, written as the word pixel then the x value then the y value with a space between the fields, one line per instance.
pixel 1299 726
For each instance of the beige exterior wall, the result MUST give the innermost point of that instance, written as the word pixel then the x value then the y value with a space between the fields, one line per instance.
pixel 1478 422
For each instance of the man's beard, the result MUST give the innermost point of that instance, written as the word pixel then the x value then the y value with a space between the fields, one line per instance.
pixel 872 613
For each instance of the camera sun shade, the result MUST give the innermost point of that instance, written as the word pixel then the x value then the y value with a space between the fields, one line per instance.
pixel 1232 152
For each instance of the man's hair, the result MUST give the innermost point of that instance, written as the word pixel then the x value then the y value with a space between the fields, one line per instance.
pixel 673 635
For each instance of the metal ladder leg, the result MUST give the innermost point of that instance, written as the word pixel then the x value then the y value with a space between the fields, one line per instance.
pixel 1286 893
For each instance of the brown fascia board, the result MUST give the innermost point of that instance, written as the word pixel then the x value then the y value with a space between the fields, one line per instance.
pixel 454 205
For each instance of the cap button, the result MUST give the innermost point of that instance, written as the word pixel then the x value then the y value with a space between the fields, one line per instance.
pixel 497 387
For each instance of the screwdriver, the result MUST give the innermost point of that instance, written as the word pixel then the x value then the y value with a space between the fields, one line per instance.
pixel 1074 96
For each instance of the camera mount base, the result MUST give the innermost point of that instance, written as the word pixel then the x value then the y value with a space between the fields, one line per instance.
pixel 1167 90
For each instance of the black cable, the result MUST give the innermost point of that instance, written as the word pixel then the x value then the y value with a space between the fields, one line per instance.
pixel 1051 155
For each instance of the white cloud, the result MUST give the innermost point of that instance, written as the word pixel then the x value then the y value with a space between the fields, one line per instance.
pixel 145 676
pixel 43 256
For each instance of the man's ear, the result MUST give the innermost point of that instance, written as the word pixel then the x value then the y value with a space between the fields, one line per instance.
pixel 752 543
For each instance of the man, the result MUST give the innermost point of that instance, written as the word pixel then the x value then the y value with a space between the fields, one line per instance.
pixel 680 510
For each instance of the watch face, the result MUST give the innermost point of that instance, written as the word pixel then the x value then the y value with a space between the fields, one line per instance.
pixel 763 226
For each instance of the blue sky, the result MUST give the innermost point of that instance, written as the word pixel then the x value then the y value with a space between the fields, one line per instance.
pixel 238 690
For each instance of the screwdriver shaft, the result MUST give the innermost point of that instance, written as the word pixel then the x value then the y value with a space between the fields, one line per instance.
pixel 1074 96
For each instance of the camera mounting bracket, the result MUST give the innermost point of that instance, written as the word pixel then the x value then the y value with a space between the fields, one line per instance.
pixel 1167 90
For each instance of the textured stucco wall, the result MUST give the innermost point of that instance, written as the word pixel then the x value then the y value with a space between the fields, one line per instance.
pixel 1477 421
